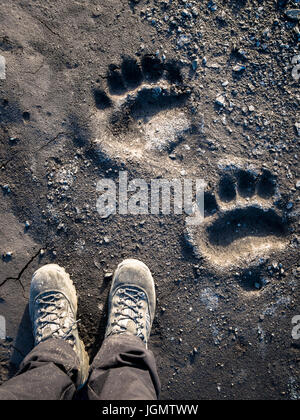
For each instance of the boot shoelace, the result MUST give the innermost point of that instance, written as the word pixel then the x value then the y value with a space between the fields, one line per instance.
pixel 51 319
pixel 129 304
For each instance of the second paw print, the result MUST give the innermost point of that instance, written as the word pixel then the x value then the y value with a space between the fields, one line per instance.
pixel 241 223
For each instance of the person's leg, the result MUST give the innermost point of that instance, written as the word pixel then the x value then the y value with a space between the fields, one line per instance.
pixel 124 369
pixel 49 372
pixel 58 364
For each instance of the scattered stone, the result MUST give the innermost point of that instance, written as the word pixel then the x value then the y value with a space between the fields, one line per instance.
pixel 215 66
pixel 296 272
pixel 293 14
pixel 221 100
pixel 296 68
pixel 212 6
pixel 195 12
pixel 7 255
pixel 108 276
pixel 185 14
pixel 183 40
pixel 195 65
pixel 239 68
pixel 61 226
pixel 242 54
pixel 6 188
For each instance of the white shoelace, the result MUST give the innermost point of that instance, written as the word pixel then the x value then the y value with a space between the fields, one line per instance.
pixel 129 305
pixel 53 318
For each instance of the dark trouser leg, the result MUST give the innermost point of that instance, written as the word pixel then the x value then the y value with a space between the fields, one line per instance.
pixel 123 370
pixel 49 372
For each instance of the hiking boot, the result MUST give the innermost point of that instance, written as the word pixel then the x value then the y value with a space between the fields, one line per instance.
pixel 131 301
pixel 53 310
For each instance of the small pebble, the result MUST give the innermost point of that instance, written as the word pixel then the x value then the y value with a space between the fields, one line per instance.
pixel 7 255
pixel 6 188
pixel 293 14
pixel 108 275
pixel 220 100
pixel 195 65
pixel 239 68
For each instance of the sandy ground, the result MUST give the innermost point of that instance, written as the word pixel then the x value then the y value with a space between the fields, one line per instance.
pixel 160 89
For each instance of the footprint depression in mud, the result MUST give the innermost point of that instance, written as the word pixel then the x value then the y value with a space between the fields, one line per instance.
pixel 241 223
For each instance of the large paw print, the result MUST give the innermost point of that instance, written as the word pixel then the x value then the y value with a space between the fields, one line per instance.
pixel 241 225
pixel 141 110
